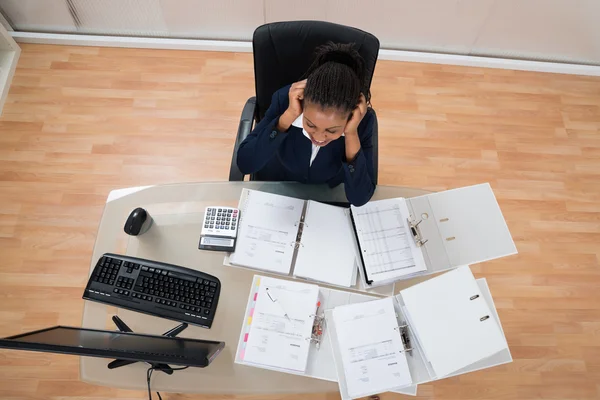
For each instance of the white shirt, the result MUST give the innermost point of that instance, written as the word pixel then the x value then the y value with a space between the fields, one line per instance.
pixel 315 149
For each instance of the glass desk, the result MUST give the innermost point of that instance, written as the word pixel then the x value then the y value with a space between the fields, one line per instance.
pixel 177 211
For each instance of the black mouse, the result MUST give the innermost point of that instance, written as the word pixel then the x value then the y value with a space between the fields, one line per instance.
pixel 138 222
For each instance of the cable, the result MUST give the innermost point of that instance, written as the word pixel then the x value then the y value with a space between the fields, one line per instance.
pixel 149 375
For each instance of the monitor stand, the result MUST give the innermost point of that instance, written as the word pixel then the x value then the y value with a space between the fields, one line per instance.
pixel 157 366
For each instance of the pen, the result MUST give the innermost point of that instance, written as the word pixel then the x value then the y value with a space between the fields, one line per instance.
pixel 285 314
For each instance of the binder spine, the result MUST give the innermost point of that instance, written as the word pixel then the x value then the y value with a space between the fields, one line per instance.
pixel 360 250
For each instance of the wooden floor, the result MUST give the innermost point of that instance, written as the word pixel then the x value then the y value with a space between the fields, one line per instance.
pixel 82 121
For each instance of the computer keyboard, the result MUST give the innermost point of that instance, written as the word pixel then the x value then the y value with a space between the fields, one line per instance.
pixel 155 288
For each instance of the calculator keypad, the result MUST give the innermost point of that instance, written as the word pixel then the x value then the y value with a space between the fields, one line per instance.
pixel 221 220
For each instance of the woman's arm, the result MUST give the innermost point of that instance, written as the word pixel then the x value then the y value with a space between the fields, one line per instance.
pixel 262 144
pixel 358 168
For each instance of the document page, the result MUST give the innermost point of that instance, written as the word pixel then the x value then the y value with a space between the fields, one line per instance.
pixel 267 232
pixel 388 249
pixel 453 322
pixel 328 251
pixel 372 353
pixel 281 324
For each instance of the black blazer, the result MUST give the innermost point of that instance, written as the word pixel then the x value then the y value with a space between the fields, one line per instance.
pixel 285 156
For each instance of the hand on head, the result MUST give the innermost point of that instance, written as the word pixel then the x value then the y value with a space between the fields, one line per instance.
pixel 357 115
pixel 296 95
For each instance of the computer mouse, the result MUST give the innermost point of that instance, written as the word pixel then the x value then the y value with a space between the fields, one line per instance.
pixel 138 222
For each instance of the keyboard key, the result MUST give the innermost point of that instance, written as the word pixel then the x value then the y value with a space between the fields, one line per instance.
pixel 144 268
pixel 116 290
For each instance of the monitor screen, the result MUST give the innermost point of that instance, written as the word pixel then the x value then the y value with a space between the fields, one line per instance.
pixel 111 344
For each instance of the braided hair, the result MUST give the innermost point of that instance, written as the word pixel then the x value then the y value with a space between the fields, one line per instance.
pixel 336 78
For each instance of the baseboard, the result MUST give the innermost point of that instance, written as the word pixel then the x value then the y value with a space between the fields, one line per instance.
pixel 490 62
pixel 131 42
pixel 240 46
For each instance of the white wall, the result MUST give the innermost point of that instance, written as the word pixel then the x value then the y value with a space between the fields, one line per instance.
pixel 550 30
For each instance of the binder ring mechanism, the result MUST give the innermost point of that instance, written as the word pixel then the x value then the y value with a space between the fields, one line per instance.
pixel 317 330
pixel 403 330
pixel 301 225
pixel 416 232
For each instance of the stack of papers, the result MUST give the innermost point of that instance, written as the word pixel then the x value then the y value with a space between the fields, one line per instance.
pixel 388 249
pixel 371 348
pixel 279 324
pixel 267 231
pixel 328 250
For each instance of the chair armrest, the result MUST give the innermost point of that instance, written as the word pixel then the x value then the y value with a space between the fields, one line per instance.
pixel 244 129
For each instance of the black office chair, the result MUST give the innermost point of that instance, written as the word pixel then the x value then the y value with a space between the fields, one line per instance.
pixel 283 51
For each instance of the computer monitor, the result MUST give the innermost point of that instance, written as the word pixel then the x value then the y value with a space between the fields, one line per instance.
pixel 120 345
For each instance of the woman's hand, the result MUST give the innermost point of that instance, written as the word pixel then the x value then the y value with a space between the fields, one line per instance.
pixel 351 131
pixel 357 115
pixel 296 95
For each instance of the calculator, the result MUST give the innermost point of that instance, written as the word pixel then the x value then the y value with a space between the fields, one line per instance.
pixel 219 228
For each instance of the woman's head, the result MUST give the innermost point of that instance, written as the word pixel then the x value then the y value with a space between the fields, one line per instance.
pixel 334 84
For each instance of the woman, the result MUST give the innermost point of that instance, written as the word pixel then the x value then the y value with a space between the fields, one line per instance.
pixel 318 130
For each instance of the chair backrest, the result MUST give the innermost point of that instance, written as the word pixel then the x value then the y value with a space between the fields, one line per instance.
pixel 283 51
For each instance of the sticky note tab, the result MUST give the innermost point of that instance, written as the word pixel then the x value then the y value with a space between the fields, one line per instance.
pixel 255 296
pixel 249 320
pixel 242 353
pixel 251 312
pixel 246 337
pixel 257 281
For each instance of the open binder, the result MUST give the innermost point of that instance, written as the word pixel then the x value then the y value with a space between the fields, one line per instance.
pixel 448 229
pixel 301 238
pixel 437 343
pixel 320 363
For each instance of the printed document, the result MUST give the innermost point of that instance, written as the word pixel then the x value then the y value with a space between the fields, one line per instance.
pixel 267 232
pixel 388 248
pixel 371 348
pixel 281 324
